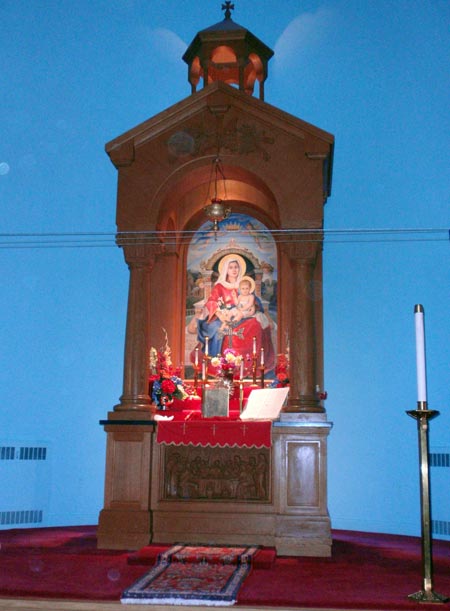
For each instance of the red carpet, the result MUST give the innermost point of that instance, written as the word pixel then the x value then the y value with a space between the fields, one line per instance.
pixel 366 571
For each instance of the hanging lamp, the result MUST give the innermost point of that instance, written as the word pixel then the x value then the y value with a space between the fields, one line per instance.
pixel 217 211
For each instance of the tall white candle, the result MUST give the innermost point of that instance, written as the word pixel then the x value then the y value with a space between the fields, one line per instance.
pixel 420 353
pixel 241 372
pixel 196 357
pixel 206 345
pixel 262 357
pixel 254 346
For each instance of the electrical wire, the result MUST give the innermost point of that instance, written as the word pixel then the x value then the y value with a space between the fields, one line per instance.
pixel 178 238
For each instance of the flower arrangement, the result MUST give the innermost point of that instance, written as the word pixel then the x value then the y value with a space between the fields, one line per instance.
pixel 165 381
pixel 226 363
pixel 281 372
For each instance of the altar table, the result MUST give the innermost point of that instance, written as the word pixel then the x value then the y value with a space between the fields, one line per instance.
pixel 172 481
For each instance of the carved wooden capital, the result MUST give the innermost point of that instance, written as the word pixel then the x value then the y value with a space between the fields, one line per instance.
pixel 139 249
pixel 302 247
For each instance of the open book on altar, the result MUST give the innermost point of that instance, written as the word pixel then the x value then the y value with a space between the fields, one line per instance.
pixel 265 404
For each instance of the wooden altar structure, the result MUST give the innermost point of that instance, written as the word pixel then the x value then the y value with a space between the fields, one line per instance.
pixel 278 170
pixel 273 496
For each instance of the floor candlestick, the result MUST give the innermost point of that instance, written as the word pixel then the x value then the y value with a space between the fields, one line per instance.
pixel 427 594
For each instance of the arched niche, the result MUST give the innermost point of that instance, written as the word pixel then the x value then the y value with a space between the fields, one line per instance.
pixel 181 201
pixel 246 239
pixel 189 188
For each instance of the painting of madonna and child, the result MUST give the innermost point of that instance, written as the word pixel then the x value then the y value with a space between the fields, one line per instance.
pixel 231 301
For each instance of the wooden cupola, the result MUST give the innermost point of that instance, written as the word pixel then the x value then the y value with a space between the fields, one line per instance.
pixel 228 52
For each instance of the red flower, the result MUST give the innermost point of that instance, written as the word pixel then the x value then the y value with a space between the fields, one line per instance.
pixel 168 387
pixel 282 376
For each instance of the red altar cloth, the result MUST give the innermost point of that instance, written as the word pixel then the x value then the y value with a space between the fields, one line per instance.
pixel 212 432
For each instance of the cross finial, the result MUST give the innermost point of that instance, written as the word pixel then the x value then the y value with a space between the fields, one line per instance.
pixel 228 7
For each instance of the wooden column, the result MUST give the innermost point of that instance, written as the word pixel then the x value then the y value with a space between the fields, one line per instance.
pixel 125 522
pixel 302 331
pixel 140 258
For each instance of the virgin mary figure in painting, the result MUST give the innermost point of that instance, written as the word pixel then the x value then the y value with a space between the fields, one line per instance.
pixel 221 323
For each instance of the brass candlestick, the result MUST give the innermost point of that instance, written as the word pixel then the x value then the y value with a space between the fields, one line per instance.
pixel 196 378
pixel 196 381
pixel 262 376
pixel 241 395
pixel 427 594
pixel 254 369
pixel 205 369
pixel 204 382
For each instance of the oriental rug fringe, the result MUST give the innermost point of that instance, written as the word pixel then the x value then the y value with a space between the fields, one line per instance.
pixel 193 575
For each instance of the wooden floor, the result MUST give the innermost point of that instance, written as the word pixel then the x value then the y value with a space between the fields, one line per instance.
pixel 21 604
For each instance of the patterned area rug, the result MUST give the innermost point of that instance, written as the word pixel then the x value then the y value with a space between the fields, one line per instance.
pixel 193 575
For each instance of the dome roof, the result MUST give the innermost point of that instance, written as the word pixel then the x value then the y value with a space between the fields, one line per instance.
pixel 228 52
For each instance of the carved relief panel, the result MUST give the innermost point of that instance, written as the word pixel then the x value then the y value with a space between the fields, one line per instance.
pixel 208 474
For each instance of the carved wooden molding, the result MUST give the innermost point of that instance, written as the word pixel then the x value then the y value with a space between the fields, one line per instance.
pixel 235 137
pixel 122 155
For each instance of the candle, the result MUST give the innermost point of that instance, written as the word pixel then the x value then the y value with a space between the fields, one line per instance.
pixel 420 353
pixel 196 357
pixel 262 357
pixel 241 373
pixel 254 346
pixel 206 345
pixel 203 370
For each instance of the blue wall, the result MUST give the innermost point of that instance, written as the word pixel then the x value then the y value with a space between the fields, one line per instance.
pixel 78 77
pixel 63 373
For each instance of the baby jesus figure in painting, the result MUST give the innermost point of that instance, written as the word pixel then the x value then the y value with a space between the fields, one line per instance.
pixel 245 305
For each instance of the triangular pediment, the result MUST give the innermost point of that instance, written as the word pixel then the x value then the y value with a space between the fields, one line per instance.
pixel 223 102
pixel 268 156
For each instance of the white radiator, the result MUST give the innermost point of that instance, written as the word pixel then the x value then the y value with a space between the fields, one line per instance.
pixel 440 491
pixel 25 488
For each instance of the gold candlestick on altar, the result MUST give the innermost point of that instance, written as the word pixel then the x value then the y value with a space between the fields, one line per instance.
pixel 262 376
pixel 262 367
pixel 205 384
pixel 205 369
pixel 195 378
pixel 254 369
